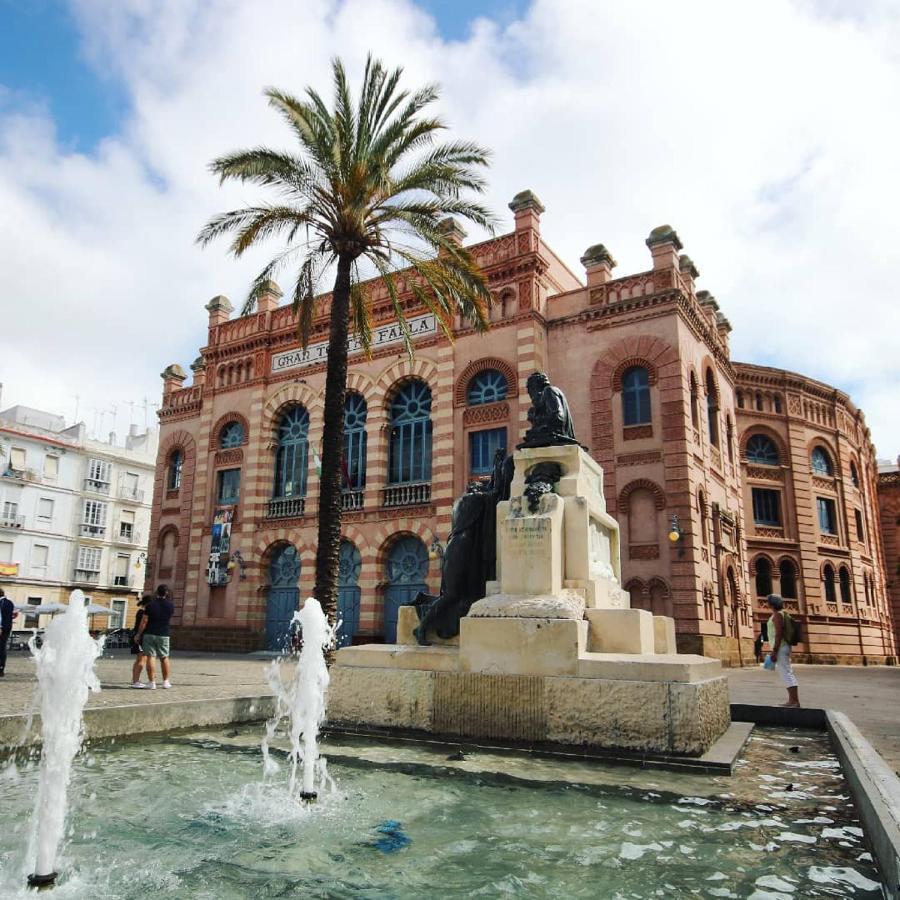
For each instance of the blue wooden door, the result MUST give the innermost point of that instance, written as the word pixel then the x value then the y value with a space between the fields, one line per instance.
pixel 348 593
pixel 284 573
pixel 407 569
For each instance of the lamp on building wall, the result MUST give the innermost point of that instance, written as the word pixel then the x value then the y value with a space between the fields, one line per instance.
pixel 436 550
pixel 676 535
pixel 141 560
pixel 237 558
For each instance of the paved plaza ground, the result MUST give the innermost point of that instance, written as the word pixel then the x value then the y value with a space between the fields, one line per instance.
pixel 870 696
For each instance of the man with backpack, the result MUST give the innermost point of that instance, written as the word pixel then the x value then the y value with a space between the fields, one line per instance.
pixel 784 632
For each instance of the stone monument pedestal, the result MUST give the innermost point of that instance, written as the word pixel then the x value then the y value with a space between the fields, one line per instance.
pixel 554 653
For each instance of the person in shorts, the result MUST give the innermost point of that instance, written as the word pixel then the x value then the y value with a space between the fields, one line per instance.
pixel 153 635
pixel 141 660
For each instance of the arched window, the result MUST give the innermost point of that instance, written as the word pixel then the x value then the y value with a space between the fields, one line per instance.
pixel 176 463
pixel 704 524
pixel 740 399
pixel 763 577
pixel 759 401
pixel 828 577
pixel 643 517
pixel 821 462
pixel 231 435
pixel 355 412
pixel 729 438
pixel 636 396
pixel 695 402
pixel 762 451
pixel 712 409
pixel 788 572
pixel 488 386
pixel 777 401
pixel 410 449
pixel 854 474
pixel 293 451
pixel 846 594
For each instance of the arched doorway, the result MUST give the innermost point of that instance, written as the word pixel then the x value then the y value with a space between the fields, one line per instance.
pixel 407 569
pixel 284 573
pixel 348 592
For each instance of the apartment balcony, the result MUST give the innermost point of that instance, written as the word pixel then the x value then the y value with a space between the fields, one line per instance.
pixel 20 475
pixel 97 532
pixel 12 521
pixel 285 507
pixel 123 581
pixel 351 500
pixel 96 487
pixel 130 494
pixel 87 576
pixel 407 494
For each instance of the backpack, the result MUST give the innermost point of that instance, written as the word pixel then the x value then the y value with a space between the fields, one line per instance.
pixel 792 630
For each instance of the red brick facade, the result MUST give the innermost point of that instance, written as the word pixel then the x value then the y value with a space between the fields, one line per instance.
pixel 679 466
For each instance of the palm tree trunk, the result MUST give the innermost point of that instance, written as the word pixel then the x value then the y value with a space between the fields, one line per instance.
pixel 330 500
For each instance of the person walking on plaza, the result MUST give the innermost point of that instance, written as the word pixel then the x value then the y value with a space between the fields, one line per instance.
pixel 136 649
pixel 782 634
pixel 7 614
pixel 153 635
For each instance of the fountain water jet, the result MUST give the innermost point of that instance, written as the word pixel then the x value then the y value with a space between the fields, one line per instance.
pixel 65 674
pixel 302 701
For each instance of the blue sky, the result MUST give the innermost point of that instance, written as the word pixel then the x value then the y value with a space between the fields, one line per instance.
pixel 781 178
pixel 43 62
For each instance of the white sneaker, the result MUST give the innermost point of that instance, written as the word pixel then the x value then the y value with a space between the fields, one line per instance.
pixel 167 684
pixel 152 686
pixel 138 685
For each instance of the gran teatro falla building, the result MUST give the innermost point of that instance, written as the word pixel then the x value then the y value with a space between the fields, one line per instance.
pixel 728 480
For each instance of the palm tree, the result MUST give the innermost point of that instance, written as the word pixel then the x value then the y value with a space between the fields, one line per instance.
pixel 370 187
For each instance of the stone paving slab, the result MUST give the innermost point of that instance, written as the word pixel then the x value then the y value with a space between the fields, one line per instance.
pixel 869 695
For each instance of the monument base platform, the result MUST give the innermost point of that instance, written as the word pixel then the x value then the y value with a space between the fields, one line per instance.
pixel 651 704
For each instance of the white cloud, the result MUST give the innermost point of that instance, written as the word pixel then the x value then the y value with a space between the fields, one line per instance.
pixel 767 138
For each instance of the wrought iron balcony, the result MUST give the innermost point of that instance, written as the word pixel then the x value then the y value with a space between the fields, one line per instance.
pixel 130 493
pixel 123 580
pixel 128 534
pixel 286 507
pixel 97 487
pixel 407 494
pixel 93 531
pixel 12 521
pixel 352 499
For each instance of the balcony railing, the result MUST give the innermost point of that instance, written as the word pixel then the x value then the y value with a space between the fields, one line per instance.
pixel 129 493
pixel 286 507
pixel 88 576
pixel 12 521
pixel 407 494
pixel 93 531
pixel 123 580
pixel 20 474
pixel 98 487
pixel 352 500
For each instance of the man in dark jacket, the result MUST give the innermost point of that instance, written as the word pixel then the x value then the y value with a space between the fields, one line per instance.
pixel 7 614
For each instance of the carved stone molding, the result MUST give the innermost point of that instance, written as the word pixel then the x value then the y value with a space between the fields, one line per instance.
pixel 765 473
pixel 232 457
pixel 826 484
pixel 482 415
pixel 638 459
pixel 643 551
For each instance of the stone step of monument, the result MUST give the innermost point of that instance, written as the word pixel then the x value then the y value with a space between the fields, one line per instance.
pixel 681 667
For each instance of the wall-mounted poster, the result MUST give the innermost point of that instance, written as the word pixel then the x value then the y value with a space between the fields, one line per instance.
pixel 220 549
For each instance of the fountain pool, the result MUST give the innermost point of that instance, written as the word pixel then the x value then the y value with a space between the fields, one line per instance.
pixel 189 815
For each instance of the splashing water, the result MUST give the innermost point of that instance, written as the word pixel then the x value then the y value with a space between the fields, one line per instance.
pixel 65 674
pixel 302 702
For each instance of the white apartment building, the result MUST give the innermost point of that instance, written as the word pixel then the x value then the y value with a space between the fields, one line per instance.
pixel 74 513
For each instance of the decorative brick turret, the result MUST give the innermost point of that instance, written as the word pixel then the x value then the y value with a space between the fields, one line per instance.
pixel 664 246
pixel 173 378
pixel 527 209
pixel 269 297
pixel 598 264
pixel 219 309
pixel 452 229
pixel 198 368
pixel 689 273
